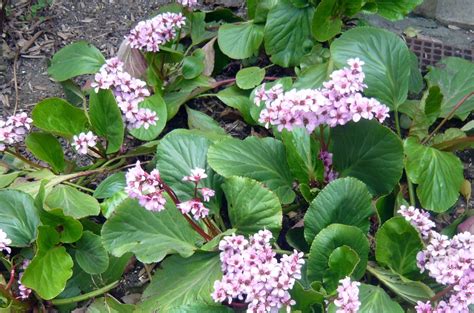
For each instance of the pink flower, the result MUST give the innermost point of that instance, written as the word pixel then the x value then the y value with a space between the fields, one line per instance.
pixel 347 296
pixel 24 292
pixel 207 193
pixel 14 129
pixel 195 207
pixel 197 174
pixel 418 218
pixel 5 242
pixel 82 141
pixel 187 3
pixel 423 307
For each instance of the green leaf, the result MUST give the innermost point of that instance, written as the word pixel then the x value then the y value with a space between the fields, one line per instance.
pixel 199 308
pixel 193 279
pixel 411 291
pixel 70 229
pixel 19 217
pixel 454 78
pixel 7 179
pixel 238 99
pixel 73 202
pixel 262 159
pixel 287 32
pixel 108 206
pixel 47 148
pixel 396 9
pixel 57 116
pixel 75 59
pixel 250 77
pixel 302 152
pixel 313 76
pixel 369 152
pixel 110 186
pixel 240 41
pixel 416 80
pixel 327 21
pixel 149 235
pixel 109 305
pixel 251 206
pixel 342 263
pixel 156 104
pixel 91 254
pixel 431 103
pixel 51 267
pixel 375 300
pixel 177 154
pixel 193 66
pixel 198 28
pixel 106 119
pixel 387 62
pixel 202 121
pixel 345 201
pixel 397 244
pixel 305 298
pixel 439 175
pixel 331 238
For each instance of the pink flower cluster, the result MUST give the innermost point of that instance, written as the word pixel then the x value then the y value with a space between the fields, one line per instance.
pixel 329 173
pixel 347 299
pixel 5 242
pixel 83 141
pixel 149 35
pixel 14 129
pixel 253 274
pixel 24 292
pixel 338 102
pixel 449 261
pixel 147 188
pixel 187 3
pixel 420 219
pixel 195 206
pixel 128 91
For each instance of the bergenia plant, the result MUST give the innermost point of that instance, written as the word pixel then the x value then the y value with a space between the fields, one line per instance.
pixel 267 164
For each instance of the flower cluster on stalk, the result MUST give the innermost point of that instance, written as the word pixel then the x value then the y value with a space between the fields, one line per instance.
pixel 329 173
pixel 195 205
pixel 187 3
pixel 82 142
pixel 5 242
pixel 347 300
pixel 253 274
pixel 149 35
pixel 128 91
pixel 13 130
pixel 449 261
pixel 24 292
pixel 338 102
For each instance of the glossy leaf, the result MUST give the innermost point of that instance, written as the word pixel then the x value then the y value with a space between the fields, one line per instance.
pixel 287 30
pixel 198 308
pixel 238 99
pixel 262 159
pixel 342 263
pixel 109 305
pixel 110 186
pixel 345 201
pixel 396 9
pixel 47 148
pixel 369 152
pixel 313 76
pixel 70 229
pixel 149 235
pixel 397 244
pixel 250 77
pixel 59 117
pixel 156 104
pixel 240 41
pixel 193 279
pixel 19 217
pixel 193 66
pixel 91 254
pixel 202 121
pixel 72 201
pixel 106 119
pixel 439 175
pixel 251 206
pixel 75 59
pixel 387 62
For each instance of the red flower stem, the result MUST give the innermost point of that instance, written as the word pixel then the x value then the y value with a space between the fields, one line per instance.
pixel 11 280
pixel 232 80
pixel 442 293
pixel 194 225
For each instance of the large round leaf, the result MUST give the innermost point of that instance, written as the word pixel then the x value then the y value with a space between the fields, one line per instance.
pixel 262 159
pixel 19 217
pixel 251 206
pixel 397 244
pixel 182 282
pixel 250 77
pixel 178 153
pixel 439 175
pixel 73 202
pixel 58 116
pixel 110 186
pixel 331 238
pixel 156 104
pixel 149 235
pixel 370 152
pixel 286 32
pixel 106 119
pixel 75 59
pixel 454 77
pixel 396 9
pixel 69 228
pixel 387 62
pixel 47 148
pixel 91 254
pixel 240 41
pixel 344 201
